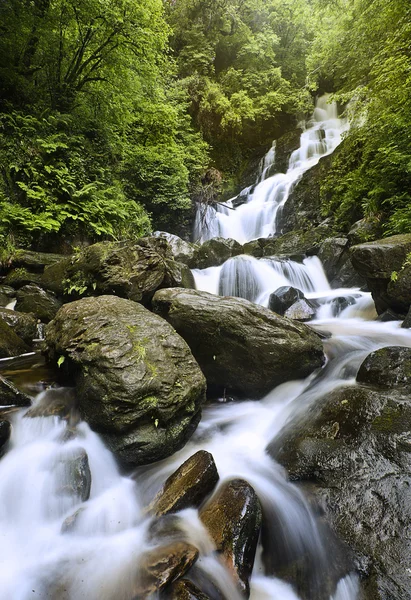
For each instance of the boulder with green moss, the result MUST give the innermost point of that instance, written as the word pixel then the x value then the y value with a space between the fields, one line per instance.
pixel 129 270
pixel 10 343
pixel 136 380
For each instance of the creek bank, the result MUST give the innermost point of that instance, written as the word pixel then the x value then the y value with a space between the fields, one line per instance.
pixel 241 348
pixel 137 382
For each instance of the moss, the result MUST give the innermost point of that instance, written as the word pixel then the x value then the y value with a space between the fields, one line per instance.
pixel 395 418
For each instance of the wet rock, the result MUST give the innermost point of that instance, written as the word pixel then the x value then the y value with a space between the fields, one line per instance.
pixel 365 230
pixel 253 248
pixel 387 316
pixel 55 402
pixel 17 278
pixel 341 303
pixel 183 251
pixel 355 444
pixel 162 566
pixel 233 519
pixel 74 473
pixel 283 298
pixel 297 243
pixel 302 310
pixel 407 321
pixel 388 368
pixel 133 271
pixel 188 486
pixel 70 523
pixel 5 431
pixel 24 325
pixel 284 147
pixel 241 347
pixel 215 252
pixel 303 207
pixel 137 381
pixel 7 294
pixel 11 396
pixel 333 254
pixel 348 277
pixel 376 262
pixel 185 590
pixel 34 300
pixel 10 343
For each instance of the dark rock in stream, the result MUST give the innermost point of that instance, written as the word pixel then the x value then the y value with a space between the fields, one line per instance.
pixel 407 321
pixel 5 431
pixel 188 486
pixel 34 300
pixel 215 252
pixel 241 347
pixel 74 474
pixel 161 566
pixel 10 343
pixel 233 519
pixel 11 396
pixel 388 368
pixel 137 381
pixel 355 444
pixel 302 310
pixel 24 325
pixel 7 294
pixel 184 589
pixel 383 265
pixel 284 297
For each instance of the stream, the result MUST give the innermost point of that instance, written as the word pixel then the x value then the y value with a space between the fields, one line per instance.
pixel 98 560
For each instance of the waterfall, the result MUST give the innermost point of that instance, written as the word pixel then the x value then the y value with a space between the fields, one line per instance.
pixel 256 217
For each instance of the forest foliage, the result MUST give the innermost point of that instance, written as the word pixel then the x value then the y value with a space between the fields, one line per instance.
pixel 114 112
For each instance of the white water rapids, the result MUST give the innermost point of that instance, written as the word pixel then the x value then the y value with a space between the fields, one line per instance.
pixel 98 560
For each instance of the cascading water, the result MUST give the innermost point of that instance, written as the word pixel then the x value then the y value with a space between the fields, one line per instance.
pixel 58 546
pixel 256 217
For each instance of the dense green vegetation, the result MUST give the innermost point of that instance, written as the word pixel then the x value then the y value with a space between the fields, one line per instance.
pixel 365 51
pixel 114 114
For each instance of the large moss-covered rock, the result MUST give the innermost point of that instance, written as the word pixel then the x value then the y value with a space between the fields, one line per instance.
pixel 297 243
pixel 34 261
pixel 129 270
pixel 24 325
pixel 183 252
pixel 137 381
pixel 355 444
pixel 215 252
pixel 233 519
pixel 10 343
pixel 34 300
pixel 240 347
pixel 381 263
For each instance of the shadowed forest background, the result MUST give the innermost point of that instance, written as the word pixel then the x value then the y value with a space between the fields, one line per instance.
pixel 116 114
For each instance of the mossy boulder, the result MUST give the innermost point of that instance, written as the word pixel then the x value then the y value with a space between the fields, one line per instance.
pixel 296 244
pixel 382 263
pixel 355 445
pixel 241 347
pixel 183 252
pixel 215 252
pixel 136 379
pixel 388 368
pixel 11 396
pixel 24 325
pixel 129 270
pixel 10 343
pixel 34 300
